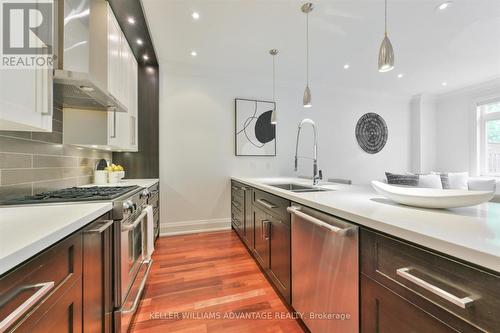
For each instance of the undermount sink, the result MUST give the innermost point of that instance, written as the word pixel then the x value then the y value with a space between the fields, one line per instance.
pixel 298 188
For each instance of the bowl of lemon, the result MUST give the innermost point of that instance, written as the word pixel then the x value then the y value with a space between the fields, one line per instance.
pixel 115 173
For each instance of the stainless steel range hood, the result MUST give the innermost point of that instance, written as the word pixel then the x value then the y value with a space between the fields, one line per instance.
pixel 81 45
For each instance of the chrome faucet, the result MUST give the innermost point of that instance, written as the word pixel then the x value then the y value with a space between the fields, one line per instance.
pixel 317 174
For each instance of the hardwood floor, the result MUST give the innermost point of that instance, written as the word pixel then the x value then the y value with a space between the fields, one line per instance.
pixel 209 275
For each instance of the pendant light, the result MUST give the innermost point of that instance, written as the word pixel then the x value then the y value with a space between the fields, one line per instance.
pixel 386 53
pixel 274 52
pixel 307 8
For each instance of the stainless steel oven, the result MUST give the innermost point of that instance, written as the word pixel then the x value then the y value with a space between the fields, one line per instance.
pixel 131 265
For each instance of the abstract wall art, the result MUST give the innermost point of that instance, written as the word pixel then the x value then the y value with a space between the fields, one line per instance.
pixel 371 133
pixel 254 133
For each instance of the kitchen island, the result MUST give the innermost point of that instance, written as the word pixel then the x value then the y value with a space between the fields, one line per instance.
pixel 438 269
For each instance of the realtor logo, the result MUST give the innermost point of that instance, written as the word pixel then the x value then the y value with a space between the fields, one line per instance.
pixel 27 32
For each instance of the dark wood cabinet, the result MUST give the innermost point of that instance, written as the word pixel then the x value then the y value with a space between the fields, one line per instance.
pixel 263 223
pixel 98 277
pixel 280 255
pixel 383 311
pixel 262 230
pixel 464 297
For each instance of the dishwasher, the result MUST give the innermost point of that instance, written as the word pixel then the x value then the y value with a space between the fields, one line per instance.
pixel 325 280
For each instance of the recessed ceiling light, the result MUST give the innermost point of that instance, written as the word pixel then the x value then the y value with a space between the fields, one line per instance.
pixel 193 53
pixel 400 75
pixel 131 20
pixel 444 5
pixel 145 57
pixel 346 66
pixel 139 41
pixel 444 84
pixel 195 16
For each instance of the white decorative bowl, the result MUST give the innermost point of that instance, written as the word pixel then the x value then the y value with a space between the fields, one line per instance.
pixel 432 198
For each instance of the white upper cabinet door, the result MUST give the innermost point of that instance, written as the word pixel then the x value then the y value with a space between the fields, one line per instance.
pixel 133 103
pixel 115 81
pixel 26 100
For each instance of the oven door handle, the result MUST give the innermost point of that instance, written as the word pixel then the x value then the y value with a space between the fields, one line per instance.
pixel 135 304
pixel 131 226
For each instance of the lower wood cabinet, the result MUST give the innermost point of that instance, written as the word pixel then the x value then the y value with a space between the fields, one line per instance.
pixel 261 227
pixel 383 311
pixel 263 224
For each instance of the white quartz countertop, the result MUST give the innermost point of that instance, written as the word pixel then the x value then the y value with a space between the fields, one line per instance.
pixel 129 182
pixel 471 233
pixel 27 230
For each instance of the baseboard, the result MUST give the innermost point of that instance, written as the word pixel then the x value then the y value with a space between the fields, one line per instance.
pixel 192 227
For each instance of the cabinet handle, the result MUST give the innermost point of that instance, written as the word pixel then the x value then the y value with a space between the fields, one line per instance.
pixel 265 229
pixel 101 229
pixel 318 222
pixel 135 304
pixel 461 302
pixel 114 126
pixel 49 92
pixel 23 308
pixel 266 203
pixel 132 226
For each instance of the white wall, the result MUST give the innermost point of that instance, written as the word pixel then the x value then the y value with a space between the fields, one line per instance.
pixel 197 141
pixel 423 133
pixel 455 135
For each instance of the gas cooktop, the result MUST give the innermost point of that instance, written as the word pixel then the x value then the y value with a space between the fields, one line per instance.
pixel 94 193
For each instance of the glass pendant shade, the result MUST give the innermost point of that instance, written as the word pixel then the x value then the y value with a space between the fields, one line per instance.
pixel 307 97
pixel 386 56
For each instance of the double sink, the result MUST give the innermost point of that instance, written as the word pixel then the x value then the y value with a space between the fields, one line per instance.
pixel 299 188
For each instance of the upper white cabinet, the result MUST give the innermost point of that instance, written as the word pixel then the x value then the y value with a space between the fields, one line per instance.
pixel 110 130
pixel 26 100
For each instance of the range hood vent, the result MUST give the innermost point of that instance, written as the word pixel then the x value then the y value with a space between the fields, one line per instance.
pixel 81 45
pixel 76 90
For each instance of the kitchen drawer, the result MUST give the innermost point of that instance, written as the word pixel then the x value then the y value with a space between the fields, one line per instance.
pixel 236 217
pixel 238 202
pixel 237 189
pixel 44 277
pixel 275 205
pixel 464 297
pixel 383 311
pixel 57 314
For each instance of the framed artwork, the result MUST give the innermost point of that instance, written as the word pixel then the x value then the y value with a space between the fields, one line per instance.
pixel 371 133
pixel 254 133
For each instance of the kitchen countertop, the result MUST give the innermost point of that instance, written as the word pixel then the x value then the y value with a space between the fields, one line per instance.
pixel 27 230
pixel 471 233
pixel 129 182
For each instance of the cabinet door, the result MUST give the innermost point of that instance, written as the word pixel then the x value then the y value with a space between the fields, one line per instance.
pixel 262 227
pixel 65 315
pixel 279 263
pixel 249 232
pixel 26 100
pixel 383 311
pixel 115 81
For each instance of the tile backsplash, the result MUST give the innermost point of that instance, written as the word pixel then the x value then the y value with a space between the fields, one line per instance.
pixel 34 162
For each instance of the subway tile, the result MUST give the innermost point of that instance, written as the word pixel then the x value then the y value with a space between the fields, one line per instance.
pixel 85 180
pixel 77 172
pixel 17 176
pixel 52 137
pixel 50 161
pixel 16 134
pixel 18 161
pixel 15 191
pixel 53 185
pixel 9 144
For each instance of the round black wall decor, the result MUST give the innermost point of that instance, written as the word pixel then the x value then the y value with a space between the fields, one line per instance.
pixel 371 133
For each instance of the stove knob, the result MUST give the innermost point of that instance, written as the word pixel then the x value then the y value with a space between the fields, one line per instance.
pixel 128 206
pixel 144 194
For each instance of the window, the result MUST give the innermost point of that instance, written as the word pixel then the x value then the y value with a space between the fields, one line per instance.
pixel 489 138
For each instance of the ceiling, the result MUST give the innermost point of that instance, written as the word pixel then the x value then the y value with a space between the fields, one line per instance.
pixel 459 45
